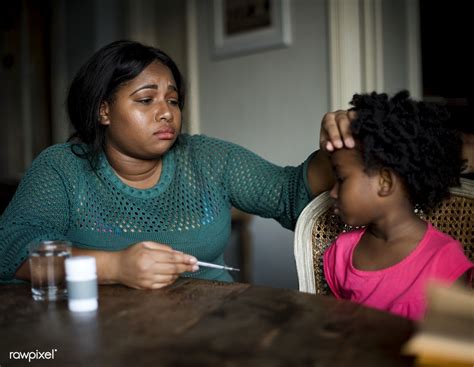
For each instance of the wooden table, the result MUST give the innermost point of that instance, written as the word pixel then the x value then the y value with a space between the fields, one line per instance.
pixel 201 323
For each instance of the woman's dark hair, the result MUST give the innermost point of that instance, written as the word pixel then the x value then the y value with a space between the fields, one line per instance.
pixel 99 79
pixel 411 139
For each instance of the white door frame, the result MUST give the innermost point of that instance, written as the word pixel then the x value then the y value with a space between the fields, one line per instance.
pixel 356 49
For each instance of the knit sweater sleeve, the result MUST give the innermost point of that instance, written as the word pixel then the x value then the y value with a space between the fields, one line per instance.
pixel 39 210
pixel 257 186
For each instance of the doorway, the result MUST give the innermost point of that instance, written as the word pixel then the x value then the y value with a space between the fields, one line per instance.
pixel 447 71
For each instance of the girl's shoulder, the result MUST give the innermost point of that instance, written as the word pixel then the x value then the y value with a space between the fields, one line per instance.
pixel 439 241
pixel 445 255
pixel 349 237
pixel 442 249
pixel 345 242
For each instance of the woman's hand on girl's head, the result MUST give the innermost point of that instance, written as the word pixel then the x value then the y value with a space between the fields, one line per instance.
pixel 336 131
pixel 150 265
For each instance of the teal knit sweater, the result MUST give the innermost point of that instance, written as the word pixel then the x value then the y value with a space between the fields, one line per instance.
pixel 61 197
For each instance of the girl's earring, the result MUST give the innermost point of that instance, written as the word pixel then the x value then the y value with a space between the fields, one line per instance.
pixel 418 211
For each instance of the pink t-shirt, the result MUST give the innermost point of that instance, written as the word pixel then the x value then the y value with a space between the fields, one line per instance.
pixel 399 288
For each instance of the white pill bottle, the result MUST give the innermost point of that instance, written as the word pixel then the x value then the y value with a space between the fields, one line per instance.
pixel 81 278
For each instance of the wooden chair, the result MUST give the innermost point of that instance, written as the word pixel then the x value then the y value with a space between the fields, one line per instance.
pixel 317 227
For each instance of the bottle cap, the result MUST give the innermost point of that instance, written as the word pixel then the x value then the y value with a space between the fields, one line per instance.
pixel 80 268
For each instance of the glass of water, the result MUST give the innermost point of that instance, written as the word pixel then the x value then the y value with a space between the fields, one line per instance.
pixel 48 280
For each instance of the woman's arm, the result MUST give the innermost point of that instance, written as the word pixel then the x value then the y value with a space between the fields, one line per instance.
pixel 38 211
pixel 335 134
pixel 145 265
pixel 320 174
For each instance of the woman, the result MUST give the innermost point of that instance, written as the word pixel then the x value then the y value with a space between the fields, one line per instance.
pixel 145 200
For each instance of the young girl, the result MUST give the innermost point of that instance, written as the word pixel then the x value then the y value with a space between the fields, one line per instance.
pixel 403 158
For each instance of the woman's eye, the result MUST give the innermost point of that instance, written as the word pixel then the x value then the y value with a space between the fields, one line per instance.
pixel 173 102
pixel 145 101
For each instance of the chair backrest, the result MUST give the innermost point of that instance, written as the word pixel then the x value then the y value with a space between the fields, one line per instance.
pixel 317 227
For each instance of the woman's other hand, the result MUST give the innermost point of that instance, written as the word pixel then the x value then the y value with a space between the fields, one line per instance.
pixel 335 130
pixel 150 265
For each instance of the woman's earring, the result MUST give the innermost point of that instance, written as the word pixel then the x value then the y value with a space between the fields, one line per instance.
pixel 102 119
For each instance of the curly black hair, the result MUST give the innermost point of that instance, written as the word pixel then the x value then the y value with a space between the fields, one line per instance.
pixel 410 138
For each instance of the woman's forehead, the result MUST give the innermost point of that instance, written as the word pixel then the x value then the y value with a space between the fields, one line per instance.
pixel 155 73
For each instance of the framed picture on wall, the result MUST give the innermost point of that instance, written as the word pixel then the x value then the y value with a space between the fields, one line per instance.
pixel 247 26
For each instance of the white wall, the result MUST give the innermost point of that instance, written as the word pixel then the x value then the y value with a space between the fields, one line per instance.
pixel 395 53
pixel 271 102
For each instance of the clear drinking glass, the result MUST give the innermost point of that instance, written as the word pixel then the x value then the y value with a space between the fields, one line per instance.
pixel 48 279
